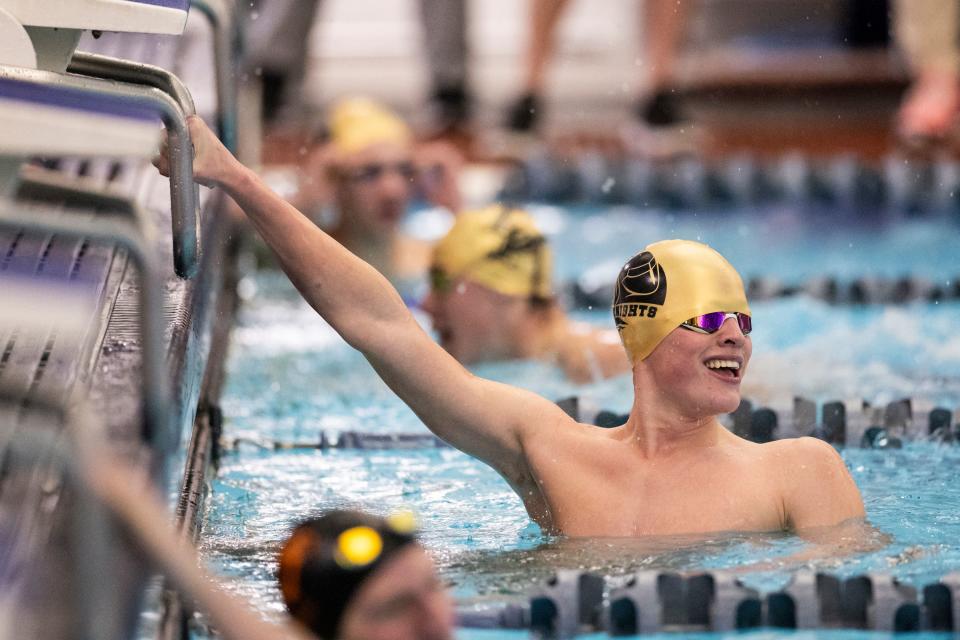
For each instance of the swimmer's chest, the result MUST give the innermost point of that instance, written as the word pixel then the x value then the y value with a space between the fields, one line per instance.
pixel 605 493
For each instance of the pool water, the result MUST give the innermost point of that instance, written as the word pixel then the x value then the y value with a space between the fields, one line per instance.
pixel 291 377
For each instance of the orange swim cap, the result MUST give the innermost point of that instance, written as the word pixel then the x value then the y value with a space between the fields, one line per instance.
pixel 326 559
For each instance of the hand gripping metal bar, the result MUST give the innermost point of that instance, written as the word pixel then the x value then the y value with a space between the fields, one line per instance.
pixel 127 228
pixel 183 190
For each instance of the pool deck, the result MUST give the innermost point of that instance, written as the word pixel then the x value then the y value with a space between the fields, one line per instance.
pixel 68 573
pixel 764 78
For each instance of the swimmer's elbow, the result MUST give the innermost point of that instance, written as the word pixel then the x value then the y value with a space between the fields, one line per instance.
pixel 383 341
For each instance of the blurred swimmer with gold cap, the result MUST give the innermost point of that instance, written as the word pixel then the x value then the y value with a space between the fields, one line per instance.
pixel 354 576
pixel 672 468
pixel 344 575
pixel 366 174
pixel 491 298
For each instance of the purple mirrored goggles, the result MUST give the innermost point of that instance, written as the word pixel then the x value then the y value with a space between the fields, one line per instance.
pixel 711 322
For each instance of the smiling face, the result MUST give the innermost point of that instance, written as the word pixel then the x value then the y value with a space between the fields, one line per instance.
pixel 700 374
pixel 374 187
pixel 403 600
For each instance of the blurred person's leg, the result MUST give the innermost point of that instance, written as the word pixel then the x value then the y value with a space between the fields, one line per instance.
pixel 277 40
pixel 445 39
pixel 927 31
pixel 524 113
pixel 663 28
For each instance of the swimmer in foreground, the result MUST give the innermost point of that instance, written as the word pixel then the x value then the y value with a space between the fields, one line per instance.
pixel 344 575
pixel 491 298
pixel 353 576
pixel 671 468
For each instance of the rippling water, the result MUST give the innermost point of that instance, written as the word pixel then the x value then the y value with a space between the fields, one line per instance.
pixel 291 378
pixel 479 533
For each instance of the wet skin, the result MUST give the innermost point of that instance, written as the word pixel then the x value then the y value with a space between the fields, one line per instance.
pixel 672 468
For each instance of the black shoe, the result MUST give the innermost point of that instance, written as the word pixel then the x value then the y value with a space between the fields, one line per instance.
pixel 450 107
pixel 523 115
pixel 660 110
pixel 274 86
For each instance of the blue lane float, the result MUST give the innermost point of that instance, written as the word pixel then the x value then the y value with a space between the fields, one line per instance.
pixel 870 427
pixel 896 183
pixel 573 602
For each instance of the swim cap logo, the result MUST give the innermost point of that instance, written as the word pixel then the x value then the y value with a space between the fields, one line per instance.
pixel 641 286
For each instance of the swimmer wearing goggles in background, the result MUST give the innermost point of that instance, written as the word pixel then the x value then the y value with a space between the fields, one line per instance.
pixel 671 468
pixel 364 176
pixel 492 298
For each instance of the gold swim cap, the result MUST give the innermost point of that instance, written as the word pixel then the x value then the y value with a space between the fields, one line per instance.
pixel 499 248
pixel 665 285
pixel 358 546
pixel 357 123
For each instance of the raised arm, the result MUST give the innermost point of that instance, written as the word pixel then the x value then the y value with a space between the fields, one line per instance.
pixel 482 418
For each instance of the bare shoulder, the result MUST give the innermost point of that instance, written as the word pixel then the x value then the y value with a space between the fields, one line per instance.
pixel 799 461
pixel 815 485
pixel 804 451
pixel 559 432
pixel 538 418
pixel 560 426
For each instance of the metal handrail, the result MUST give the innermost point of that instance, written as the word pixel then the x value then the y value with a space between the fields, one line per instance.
pixel 128 228
pixel 95 65
pixel 185 220
pixel 222 18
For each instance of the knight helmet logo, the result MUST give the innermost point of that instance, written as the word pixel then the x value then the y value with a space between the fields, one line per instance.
pixel 641 282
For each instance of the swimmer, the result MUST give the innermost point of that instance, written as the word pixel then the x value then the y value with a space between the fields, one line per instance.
pixel 345 575
pixel 354 576
pixel 492 298
pixel 368 171
pixel 671 468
